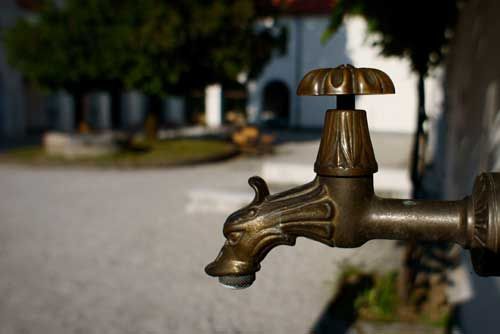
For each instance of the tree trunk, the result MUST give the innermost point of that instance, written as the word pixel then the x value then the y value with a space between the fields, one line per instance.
pixel 153 118
pixel 80 124
pixel 412 255
pixel 420 141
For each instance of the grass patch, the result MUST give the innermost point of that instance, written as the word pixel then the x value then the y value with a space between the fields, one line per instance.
pixel 374 297
pixel 157 154
pixel 380 300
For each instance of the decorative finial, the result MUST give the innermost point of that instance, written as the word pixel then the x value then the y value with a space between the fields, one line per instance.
pixel 345 80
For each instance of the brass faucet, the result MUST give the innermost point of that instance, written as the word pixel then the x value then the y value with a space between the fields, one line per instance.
pixel 339 207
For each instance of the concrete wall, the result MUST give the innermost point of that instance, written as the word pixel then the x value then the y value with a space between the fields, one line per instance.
pixel 472 133
pixel 473 83
pixel 390 113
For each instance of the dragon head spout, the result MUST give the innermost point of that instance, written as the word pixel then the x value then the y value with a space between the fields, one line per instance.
pixel 269 221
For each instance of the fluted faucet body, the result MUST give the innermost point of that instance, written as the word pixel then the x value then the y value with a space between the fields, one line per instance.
pixel 339 207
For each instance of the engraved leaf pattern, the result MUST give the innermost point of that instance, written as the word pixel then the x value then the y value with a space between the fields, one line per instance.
pixel 346 143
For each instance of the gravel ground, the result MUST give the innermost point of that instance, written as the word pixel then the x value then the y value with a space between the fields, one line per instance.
pixel 89 251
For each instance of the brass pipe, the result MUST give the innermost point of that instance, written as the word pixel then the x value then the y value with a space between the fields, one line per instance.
pixel 421 220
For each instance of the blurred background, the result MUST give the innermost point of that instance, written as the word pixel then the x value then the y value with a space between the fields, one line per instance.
pixel 128 130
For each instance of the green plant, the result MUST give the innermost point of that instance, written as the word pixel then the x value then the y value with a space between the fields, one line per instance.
pixel 380 300
pixel 374 297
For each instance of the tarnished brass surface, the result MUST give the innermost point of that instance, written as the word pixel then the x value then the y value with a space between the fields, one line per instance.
pixel 345 148
pixel 340 209
pixel 272 220
pixel 485 234
pixel 345 79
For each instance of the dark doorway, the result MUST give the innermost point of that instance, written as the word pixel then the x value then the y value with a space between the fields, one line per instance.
pixel 276 105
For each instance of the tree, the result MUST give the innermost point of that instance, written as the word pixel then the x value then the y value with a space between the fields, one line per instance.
pixel 183 46
pixel 74 47
pixel 159 47
pixel 420 32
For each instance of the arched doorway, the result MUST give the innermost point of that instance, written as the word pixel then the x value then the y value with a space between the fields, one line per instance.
pixel 276 104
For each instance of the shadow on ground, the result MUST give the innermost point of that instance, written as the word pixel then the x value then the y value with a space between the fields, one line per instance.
pixel 340 314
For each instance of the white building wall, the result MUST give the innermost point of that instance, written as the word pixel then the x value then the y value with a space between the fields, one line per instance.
pixel 281 68
pixel 388 113
pixel 318 55
pixel 393 113
pixel 213 106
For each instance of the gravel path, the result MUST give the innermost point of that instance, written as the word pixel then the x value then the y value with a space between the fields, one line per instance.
pixel 88 251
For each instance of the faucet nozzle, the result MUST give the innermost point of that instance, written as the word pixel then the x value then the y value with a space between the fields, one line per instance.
pixel 237 282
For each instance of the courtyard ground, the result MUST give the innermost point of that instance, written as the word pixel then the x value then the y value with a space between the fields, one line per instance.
pixel 106 251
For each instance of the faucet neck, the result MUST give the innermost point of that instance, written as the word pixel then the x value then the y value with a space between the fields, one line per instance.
pixel 345 148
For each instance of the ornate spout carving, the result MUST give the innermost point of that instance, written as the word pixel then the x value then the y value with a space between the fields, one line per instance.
pixel 273 220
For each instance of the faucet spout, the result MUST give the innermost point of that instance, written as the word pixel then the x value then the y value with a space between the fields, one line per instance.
pixel 345 212
pixel 269 221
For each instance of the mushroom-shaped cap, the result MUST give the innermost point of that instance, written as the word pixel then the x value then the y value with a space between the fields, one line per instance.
pixel 345 79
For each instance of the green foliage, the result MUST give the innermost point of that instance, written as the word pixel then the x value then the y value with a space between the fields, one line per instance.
pixel 381 300
pixel 73 47
pixel 156 46
pixel 214 42
pixel 374 297
pixel 417 30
